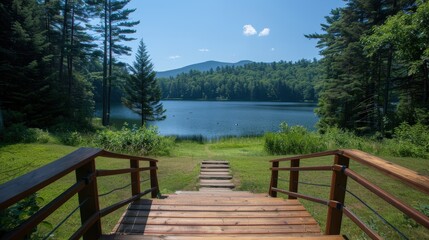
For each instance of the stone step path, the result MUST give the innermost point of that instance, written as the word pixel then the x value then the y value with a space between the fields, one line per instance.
pixel 215 175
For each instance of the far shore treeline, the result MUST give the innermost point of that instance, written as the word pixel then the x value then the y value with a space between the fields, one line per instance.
pixel 277 81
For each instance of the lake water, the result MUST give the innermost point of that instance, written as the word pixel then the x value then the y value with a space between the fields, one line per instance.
pixel 217 119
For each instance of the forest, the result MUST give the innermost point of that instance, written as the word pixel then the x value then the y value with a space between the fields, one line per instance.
pixel 277 81
pixel 59 58
pixel 375 66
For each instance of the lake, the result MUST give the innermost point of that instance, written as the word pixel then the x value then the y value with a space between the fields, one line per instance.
pixel 215 119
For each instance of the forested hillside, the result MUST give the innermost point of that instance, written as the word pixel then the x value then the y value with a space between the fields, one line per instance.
pixel 277 81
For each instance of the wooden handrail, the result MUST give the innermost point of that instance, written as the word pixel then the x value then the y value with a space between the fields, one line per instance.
pixel 340 173
pixel 405 175
pixel 25 185
pixel 81 161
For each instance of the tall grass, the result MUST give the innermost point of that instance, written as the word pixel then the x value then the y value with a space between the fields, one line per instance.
pixel 407 141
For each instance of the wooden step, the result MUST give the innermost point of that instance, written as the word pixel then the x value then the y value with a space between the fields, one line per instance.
pixel 215 181
pixel 214 166
pixel 169 229
pixel 215 176
pixel 222 237
pixel 218 189
pixel 217 185
pixel 215 170
pixel 214 162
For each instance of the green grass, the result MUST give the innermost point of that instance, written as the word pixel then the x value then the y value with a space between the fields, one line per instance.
pixel 250 167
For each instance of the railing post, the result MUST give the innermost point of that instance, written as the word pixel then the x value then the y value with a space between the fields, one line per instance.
pixel 89 194
pixel 338 193
pixel 154 179
pixel 274 180
pixel 293 178
pixel 135 178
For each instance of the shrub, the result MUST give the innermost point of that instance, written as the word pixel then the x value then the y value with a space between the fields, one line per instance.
pixel 293 140
pixel 417 134
pixel 70 138
pixel 19 133
pixel 15 215
pixel 141 140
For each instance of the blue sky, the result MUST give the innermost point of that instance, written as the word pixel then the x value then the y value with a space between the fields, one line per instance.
pixel 178 33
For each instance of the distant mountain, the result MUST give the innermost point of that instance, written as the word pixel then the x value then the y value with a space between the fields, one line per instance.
pixel 204 66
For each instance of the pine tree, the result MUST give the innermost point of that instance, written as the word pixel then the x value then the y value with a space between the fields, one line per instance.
pixel 141 91
pixel 26 93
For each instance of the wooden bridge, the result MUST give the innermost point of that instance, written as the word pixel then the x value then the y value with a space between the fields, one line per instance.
pixel 208 213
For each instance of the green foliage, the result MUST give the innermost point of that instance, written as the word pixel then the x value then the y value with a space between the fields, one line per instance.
pixel 293 140
pixel 424 208
pixel 13 216
pixel 410 141
pixel 70 138
pixel 18 133
pixel 277 81
pixel 143 140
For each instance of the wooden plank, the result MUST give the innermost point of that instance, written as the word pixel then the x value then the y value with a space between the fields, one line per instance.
pixel 224 237
pixel 167 229
pixel 214 166
pixel 187 214
pixel 215 176
pixel 215 181
pixel 217 208
pixel 222 185
pixel 214 170
pixel 189 194
pixel 215 173
pixel 220 202
pixel 219 221
pixel 208 189
pixel 214 162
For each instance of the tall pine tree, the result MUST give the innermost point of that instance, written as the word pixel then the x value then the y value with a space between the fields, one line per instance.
pixel 141 91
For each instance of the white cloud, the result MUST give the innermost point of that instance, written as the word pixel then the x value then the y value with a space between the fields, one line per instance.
pixel 174 57
pixel 249 30
pixel 265 32
pixel 203 50
pixel 273 49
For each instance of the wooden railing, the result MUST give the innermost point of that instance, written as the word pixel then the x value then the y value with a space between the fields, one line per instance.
pixel 82 162
pixel 340 173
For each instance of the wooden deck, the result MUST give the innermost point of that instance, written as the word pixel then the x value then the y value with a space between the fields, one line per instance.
pixel 217 214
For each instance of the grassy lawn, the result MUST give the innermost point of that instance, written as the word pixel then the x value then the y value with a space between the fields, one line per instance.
pixel 250 167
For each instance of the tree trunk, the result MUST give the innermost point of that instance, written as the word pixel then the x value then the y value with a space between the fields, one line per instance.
pixel 63 41
pixel 109 92
pixel 105 118
pixel 70 56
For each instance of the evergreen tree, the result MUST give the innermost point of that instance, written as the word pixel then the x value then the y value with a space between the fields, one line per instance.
pixel 356 90
pixel 141 91
pixel 27 95
pixel 115 29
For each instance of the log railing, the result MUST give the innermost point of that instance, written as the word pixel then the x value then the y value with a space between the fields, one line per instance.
pixel 340 173
pixel 82 162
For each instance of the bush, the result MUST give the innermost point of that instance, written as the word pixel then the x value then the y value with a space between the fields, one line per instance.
pixel 293 140
pixel 143 141
pixel 417 135
pixel 410 141
pixel 70 138
pixel 19 133
pixel 15 215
